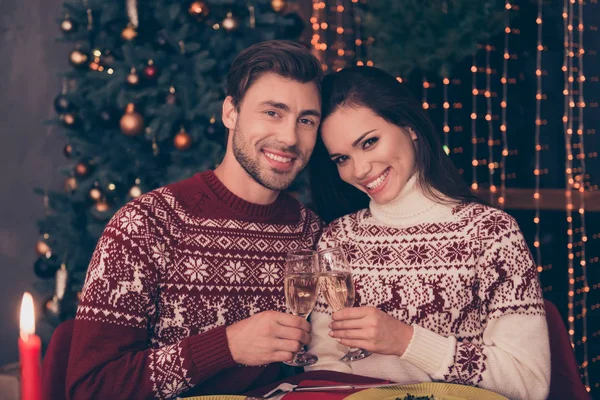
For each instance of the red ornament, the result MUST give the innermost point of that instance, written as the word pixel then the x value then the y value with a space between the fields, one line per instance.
pixel 82 169
pixel 198 10
pixel 150 71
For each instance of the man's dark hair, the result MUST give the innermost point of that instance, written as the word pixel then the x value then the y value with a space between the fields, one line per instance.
pixel 282 57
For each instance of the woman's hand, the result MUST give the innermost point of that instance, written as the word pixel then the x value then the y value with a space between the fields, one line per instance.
pixel 371 329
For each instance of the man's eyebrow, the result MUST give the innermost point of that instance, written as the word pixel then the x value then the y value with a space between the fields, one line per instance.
pixel 314 113
pixel 276 104
pixel 282 106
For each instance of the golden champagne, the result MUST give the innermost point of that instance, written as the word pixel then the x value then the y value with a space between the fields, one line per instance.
pixel 338 289
pixel 301 293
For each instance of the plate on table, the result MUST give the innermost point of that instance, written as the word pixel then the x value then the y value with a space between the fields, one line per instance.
pixel 215 397
pixel 439 391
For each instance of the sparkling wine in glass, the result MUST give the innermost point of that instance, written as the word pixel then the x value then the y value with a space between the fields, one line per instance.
pixel 338 288
pixel 301 286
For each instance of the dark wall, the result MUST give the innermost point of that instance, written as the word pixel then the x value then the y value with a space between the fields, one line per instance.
pixel 30 153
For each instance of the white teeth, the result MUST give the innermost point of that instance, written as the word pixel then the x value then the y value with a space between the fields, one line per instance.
pixel 278 158
pixel 378 181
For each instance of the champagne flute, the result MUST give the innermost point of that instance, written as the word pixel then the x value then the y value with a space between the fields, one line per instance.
pixel 301 286
pixel 338 288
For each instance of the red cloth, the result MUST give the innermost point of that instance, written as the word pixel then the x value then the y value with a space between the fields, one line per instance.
pixel 54 367
pixel 565 381
pixel 172 269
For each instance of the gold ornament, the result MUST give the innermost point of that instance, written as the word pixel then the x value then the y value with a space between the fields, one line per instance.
pixel 199 10
pixel 95 194
pixel 230 23
pixel 42 249
pixel 78 58
pixel 129 33
pixel 133 78
pixel 102 206
pixel 67 25
pixel 278 5
pixel 132 123
pixel 182 140
pixel 135 191
pixel 68 119
pixel 70 184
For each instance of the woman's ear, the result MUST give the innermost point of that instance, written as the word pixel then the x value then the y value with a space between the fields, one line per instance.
pixel 413 134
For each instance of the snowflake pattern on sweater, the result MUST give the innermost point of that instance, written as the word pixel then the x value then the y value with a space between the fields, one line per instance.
pixel 167 270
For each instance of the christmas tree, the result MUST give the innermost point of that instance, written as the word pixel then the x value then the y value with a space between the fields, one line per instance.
pixel 139 109
pixel 430 36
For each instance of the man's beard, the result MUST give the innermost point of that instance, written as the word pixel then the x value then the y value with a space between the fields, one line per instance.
pixel 267 177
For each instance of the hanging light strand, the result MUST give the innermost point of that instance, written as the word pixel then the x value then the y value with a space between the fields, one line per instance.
pixel 503 105
pixel 490 126
pixel 339 61
pixel 538 147
pixel 318 37
pixel 358 40
pixel 446 105
pixel 474 162
pixel 567 128
pixel 581 189
pixel 425 87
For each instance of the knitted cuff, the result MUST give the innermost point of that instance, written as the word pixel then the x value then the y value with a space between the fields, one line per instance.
pixel 210 353
pixel 429 351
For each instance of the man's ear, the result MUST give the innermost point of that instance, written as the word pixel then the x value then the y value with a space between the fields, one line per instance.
pixel 230 113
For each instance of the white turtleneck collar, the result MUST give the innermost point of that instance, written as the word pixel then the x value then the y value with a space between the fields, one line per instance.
pixel 411 207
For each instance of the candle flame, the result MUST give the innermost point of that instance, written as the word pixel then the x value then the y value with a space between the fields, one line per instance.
pixel 27 322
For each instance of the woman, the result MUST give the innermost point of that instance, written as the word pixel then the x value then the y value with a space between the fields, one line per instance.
pixel 446 288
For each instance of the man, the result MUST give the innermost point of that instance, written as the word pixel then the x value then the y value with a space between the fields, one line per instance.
pixel 185 288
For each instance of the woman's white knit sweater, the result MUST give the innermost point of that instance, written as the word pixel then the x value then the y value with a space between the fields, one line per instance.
pixel 462 276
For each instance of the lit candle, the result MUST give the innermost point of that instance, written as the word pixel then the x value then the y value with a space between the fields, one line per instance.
pixel 30 352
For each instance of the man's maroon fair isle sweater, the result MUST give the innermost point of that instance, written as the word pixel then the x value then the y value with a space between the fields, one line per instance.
pixel 462 276
pixel 172 269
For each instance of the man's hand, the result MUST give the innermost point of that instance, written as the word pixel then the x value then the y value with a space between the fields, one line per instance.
pixel 267 337
pixel 371 329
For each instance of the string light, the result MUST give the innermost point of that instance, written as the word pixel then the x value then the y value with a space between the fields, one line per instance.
pixel 446 106
pixel 568 130
pixel 425 87
pixel 538 147
pixel 581 188
pixel 339 42
pixel 337 34
pixel 488 118
pixel 319 28
pixel 503 106
pixel 474 92
pixel 359 47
